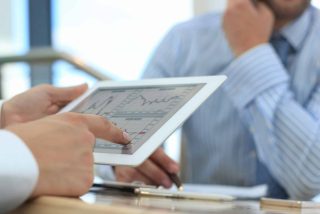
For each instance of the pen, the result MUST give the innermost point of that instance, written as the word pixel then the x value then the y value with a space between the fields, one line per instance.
pixel 122 186
pixel 112 187
pixel 176 180
pixel 182 194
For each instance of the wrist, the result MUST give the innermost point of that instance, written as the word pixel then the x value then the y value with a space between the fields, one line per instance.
pixel 7 115
pixel 238 51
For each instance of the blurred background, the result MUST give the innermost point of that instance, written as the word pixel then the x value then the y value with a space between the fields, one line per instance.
pixel 64 40
pixel 112 37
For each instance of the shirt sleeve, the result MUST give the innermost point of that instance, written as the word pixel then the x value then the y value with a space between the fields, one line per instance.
pixel 166 57
pixel 1 104
pixel 286 133
pixel 18 171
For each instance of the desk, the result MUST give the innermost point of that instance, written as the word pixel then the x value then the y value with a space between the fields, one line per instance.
pixel 119 203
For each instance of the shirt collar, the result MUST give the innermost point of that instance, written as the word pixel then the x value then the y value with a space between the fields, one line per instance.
pixel 296 31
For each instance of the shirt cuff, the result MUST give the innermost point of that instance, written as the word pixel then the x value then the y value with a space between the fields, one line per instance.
pixel 18 171
pixel 252 73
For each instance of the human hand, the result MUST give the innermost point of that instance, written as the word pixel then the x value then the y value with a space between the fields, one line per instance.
pixel 38 102
pixel 247 25
pixel 63 148
pixel 153 171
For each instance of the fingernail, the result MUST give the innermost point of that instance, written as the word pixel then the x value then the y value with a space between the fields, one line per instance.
pixel 127 136
pixel 166 183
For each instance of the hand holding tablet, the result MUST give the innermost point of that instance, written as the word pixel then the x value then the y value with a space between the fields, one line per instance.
pixel 148 110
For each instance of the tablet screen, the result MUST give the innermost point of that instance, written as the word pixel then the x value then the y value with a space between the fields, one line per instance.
pixel 140 111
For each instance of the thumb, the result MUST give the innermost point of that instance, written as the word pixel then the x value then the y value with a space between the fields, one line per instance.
pixel 67 94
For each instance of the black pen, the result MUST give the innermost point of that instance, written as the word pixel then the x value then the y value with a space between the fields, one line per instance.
pixel 113 187
pixel 121 186
pixel 176 180
pixel 130 187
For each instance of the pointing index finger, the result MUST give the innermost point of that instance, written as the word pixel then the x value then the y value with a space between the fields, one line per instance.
pixel 104 129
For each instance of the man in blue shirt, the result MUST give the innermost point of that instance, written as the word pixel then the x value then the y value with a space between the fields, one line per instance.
pixel 262 126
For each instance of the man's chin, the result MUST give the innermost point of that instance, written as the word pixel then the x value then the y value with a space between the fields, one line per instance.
pixel 287 10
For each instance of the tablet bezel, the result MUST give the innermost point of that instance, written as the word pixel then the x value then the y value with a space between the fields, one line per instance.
pixel 147 148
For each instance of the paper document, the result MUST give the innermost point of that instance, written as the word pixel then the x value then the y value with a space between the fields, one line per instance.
pixel 213 192
pixel 148 190
pixel 254 192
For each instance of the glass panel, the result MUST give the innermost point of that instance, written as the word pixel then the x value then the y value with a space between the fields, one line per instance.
pixel 13 40
pixel 116 37
pixel 66 75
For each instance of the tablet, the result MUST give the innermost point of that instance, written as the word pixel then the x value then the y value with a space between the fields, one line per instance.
pixel 148 110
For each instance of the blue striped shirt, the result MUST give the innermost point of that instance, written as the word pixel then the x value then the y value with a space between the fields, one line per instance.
pixel 262 125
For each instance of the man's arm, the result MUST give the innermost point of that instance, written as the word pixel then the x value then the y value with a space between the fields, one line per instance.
pixel 286 133
pixel 18 176
pixel 166 57
pixel 51 156
pixel 18 172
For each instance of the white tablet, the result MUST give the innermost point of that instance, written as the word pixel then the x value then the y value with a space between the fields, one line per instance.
pixel 148 110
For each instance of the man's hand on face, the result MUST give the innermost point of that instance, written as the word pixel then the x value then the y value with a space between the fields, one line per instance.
pixel 62 145
pixel 38 102
pixel 153 171
pixel 247 24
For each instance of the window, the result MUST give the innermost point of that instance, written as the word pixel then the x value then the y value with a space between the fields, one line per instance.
pixel 13 40
pixel 115 37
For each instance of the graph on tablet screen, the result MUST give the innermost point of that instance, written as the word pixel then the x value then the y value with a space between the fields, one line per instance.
pixel 140 111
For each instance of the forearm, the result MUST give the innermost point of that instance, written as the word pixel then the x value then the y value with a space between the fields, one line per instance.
pixel 287 141
pixel 286 133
